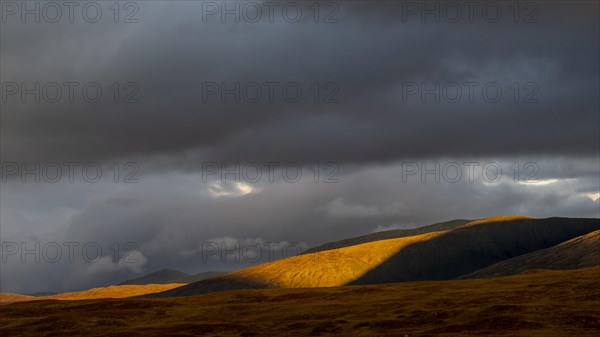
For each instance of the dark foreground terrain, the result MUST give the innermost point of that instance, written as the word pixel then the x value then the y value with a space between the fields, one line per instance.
pixel 534 303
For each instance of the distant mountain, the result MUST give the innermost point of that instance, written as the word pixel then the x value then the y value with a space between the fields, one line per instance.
pixel 461 248
pixel 43 293
pixel 166 276
pixel 393 234
pixel 580 252
pixel 163 276
pixel 198 277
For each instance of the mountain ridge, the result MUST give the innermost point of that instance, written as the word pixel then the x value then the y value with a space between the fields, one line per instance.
pixel 391 234
pixel 169 276
pixel 438 255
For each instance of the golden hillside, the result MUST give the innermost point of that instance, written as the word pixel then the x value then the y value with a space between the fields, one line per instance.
pixel 9 297
pixel 113 292
pixel 94 293
pixel 329 268
pixel 500 218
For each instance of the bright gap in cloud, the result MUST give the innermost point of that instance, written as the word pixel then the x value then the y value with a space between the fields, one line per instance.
pixel 539 182
pixel 225 189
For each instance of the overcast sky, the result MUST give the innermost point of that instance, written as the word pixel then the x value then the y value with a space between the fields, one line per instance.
pixel 343 118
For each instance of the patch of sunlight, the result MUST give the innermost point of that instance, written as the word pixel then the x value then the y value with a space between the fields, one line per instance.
pixel 328 268
pixel 119 291
pixel 236 189
pixel 593 196
pixel 499 218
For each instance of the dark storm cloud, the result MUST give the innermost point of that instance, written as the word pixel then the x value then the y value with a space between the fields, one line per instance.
pixel 368 54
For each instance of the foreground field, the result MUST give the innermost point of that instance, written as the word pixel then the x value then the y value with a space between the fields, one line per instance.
pixel 536 303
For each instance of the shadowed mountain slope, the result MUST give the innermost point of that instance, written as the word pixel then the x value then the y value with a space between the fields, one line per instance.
pixel 43 293
pixel 168 276
pixel 440 255
pixel 474 246
pixel 158 277
pixel 393 234
pixel 580 252
pixel 198 277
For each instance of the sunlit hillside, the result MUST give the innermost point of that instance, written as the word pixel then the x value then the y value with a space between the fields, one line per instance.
pixel 499 218
pixel 118 291
pixel 329 268
pixel 9 298
pixel 114 291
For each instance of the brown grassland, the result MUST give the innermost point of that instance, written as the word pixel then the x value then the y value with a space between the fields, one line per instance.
pixel 534 303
